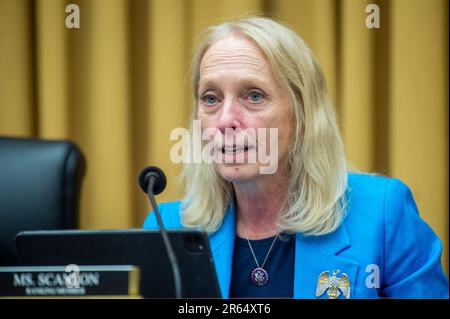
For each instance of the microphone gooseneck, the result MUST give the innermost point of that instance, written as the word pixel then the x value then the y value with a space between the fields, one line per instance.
pixel 153 181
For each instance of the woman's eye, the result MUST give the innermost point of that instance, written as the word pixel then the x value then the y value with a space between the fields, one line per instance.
pixel 255 96
pixel 209 99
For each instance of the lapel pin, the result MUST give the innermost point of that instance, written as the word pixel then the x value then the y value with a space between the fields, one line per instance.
pixel 333 284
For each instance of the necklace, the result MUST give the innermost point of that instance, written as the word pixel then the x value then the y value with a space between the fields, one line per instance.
pixel 259 275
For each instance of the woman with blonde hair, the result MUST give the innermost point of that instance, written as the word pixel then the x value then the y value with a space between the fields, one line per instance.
pixel 309 228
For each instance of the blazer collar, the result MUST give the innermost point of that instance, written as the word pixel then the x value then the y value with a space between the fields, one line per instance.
pixel 313 255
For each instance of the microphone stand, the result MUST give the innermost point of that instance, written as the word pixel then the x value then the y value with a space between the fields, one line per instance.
pixel 165 237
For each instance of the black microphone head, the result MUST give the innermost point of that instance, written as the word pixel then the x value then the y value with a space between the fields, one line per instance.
pixel 160 179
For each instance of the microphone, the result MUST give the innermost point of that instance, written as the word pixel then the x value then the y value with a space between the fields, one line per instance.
pixel 153 181
pixel 154 177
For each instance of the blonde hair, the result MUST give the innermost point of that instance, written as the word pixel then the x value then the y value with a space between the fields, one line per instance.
pixel 315 201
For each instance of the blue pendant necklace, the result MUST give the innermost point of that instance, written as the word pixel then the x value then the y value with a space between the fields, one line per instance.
pixel 259 275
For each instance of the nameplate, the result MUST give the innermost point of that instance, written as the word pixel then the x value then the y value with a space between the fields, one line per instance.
pixel 69 281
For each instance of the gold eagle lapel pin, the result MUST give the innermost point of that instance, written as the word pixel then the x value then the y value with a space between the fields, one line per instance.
pixel 333 284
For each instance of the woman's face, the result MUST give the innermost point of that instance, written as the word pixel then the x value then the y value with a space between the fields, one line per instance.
pixel 239 95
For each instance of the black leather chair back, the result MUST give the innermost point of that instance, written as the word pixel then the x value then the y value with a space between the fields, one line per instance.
pixel 40 184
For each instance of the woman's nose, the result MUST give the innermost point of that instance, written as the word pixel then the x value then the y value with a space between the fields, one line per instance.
pixel 230 115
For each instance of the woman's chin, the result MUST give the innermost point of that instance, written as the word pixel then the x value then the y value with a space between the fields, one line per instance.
pixel 238 172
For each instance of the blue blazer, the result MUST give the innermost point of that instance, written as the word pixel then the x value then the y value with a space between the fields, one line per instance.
pixel 382 245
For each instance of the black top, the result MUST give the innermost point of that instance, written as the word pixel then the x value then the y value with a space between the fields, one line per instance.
pixel 279 266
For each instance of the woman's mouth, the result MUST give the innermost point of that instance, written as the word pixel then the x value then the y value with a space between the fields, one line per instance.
pixel 238 154
pixel 234 150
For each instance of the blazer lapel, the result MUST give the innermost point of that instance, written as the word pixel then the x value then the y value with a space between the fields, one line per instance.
pixel 313 255
pixel 222 247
